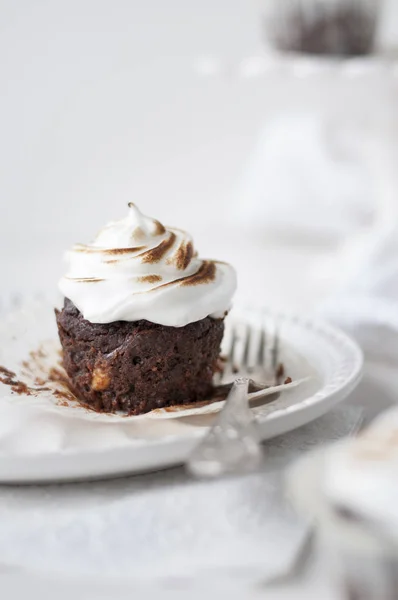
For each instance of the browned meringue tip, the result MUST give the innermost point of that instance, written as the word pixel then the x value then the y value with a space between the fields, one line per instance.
pixel 85 279
pixel 183 256
pixel 159 228
pixel 155 255
pixel 150 278
pixel 91 249
pixel 206 274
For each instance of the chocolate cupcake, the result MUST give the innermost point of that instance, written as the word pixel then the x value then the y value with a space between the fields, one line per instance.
pixel 342 28
pixel 143 317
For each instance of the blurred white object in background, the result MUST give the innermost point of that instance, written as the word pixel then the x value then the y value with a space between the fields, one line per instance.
pixel 350 491
pixel 301 180
pixel 316 166
pixel 323 169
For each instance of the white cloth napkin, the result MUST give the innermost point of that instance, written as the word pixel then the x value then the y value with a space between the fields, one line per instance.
pixel 166 527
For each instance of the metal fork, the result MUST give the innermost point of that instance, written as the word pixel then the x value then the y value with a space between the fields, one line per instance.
pixel 233 443
pixel 253 351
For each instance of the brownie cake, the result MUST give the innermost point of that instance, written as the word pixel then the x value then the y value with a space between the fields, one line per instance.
pixel 136 367
pixel 143 317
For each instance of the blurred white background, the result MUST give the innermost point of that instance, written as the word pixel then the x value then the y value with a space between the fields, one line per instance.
pixel 102 103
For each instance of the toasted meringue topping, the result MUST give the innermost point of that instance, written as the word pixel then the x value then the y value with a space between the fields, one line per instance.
pixel 143 270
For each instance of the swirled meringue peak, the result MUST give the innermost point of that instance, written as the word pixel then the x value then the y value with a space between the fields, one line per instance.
pixel 138 269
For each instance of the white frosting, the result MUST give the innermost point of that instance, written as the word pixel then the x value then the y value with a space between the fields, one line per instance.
pixel 137 269
pixel 361 475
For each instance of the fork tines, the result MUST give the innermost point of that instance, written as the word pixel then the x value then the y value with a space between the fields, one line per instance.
pixel 252 348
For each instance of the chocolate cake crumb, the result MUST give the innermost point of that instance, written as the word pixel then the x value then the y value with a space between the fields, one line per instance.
pixel 9 374
pixel 18 387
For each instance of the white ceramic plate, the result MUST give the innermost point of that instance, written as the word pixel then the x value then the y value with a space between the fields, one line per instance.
pixel 41 441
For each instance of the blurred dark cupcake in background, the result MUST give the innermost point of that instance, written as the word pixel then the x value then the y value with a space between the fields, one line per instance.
pixel 323 27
